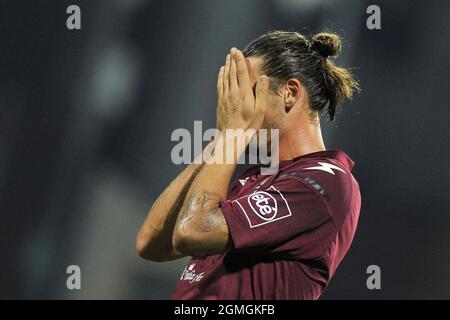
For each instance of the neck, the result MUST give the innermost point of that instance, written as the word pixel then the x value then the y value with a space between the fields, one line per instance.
pixel 298 140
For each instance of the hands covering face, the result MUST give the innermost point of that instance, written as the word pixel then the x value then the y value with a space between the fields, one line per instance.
pixel 237 106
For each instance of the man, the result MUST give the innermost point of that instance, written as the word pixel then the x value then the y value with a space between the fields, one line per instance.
pixel 277 236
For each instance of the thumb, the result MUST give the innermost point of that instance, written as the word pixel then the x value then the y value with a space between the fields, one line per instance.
pixel 262 88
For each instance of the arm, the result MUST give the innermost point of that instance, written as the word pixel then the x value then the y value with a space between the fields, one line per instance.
pixel 201 228
pixel 154 240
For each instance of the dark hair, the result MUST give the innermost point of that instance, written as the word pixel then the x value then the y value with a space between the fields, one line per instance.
pixel 291 55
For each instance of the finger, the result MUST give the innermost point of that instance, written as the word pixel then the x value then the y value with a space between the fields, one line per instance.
pixel 226 75
pixel 234 86
pixel 242 72
pixel 220 82
pixel 262 89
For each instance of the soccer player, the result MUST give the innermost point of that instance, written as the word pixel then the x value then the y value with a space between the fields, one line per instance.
pixel 278 236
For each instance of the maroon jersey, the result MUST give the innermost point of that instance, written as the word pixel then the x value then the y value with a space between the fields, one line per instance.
pixel 290 231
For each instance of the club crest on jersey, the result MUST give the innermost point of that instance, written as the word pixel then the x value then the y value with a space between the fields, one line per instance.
pixel 262 207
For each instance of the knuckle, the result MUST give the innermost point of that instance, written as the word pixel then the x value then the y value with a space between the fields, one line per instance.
pixel 233 98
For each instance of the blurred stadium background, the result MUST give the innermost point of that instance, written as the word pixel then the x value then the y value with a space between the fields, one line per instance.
pixel 86 118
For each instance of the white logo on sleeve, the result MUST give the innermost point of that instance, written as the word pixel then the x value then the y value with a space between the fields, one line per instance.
pixel 262 207
pixel 327 167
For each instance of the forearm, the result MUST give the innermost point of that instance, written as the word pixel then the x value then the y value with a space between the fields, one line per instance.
pixel 154 240
pixel 201 227
pixel 214 178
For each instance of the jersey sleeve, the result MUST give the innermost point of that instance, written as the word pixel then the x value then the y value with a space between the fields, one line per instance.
pixel 265 220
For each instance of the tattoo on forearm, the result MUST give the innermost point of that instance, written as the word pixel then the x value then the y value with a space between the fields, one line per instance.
pixel 201 213
pixel 205 206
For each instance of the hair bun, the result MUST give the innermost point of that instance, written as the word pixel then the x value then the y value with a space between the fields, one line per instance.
pixel 326 44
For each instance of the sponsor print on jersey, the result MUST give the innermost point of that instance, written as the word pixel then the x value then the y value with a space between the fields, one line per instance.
pixel 189 274
pixel 262 207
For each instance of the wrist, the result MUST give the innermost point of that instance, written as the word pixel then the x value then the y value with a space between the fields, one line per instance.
pixel 231 145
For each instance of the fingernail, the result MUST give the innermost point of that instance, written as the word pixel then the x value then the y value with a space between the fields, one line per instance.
pixel 264 80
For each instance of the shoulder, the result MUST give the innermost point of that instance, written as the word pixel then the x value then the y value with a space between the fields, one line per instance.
pixel 330 178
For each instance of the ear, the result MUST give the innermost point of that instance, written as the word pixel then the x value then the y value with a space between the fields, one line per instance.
pixel 292 92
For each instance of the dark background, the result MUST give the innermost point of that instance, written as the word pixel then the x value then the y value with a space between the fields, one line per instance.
pixel 86 118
